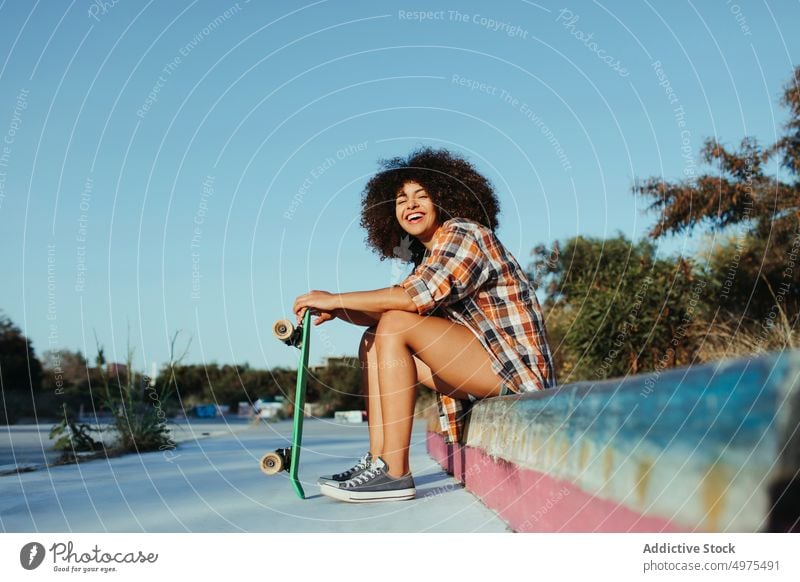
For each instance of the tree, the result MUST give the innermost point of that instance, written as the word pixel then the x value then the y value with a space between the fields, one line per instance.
pixel 20 373
pixel 335 386
pixel 340 387
pixel 757 264
pixel 615 308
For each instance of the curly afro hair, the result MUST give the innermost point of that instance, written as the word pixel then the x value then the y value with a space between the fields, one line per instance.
pixel 454 185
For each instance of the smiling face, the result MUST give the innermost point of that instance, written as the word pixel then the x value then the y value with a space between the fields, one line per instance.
pixel 416 212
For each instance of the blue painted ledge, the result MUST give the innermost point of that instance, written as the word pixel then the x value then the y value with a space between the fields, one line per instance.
pixel 713 447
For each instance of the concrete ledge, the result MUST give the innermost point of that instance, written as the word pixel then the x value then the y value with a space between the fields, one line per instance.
pixel 709 448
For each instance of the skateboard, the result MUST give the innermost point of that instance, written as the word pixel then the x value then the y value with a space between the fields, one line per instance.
pixel 289 459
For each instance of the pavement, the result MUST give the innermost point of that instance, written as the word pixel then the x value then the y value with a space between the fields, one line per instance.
pixel 28 446
pixel 211 482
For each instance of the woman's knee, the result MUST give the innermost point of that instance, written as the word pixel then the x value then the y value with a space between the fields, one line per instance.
pixel 394 322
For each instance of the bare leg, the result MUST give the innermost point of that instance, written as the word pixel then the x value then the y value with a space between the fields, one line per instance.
pixel 458 365
pixel 368 357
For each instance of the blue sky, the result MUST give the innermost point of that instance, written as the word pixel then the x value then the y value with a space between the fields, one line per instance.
pixel 194 166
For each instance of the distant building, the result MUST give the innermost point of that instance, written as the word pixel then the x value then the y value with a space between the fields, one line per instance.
pixel 349 361
pixel 114 369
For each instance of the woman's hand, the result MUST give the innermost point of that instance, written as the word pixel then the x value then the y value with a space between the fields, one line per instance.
pixel 321 304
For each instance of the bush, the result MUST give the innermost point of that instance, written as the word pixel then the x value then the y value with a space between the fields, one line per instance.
pixel 615 308
pixel 74 437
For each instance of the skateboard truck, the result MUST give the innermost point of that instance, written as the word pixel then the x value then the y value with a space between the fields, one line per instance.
pixel 288 459
pixel 288 333
pixel 277 461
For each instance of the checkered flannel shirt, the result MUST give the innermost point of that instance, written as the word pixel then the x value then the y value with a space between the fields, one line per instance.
pixel 473 279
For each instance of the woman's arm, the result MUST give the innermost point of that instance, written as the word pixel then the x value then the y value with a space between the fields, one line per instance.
pixel 367 318
pixel 378 301
pixel 356 306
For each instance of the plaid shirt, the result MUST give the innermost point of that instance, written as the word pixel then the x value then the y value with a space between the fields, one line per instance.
pixel 470 276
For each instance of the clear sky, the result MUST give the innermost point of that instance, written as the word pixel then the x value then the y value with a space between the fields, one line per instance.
pixel 196 165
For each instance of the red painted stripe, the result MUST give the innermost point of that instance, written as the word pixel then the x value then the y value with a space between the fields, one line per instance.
pixel 530 501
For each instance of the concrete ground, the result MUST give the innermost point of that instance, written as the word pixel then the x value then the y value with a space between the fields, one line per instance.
pixel 212 483
pixel 28 446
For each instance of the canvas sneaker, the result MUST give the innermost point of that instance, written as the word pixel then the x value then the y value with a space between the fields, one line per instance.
pixel 372 484
pixel 361 466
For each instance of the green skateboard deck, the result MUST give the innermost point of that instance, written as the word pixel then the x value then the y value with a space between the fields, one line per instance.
pixel 289 459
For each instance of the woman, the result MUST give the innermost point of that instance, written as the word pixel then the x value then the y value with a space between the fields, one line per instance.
pixel 465 323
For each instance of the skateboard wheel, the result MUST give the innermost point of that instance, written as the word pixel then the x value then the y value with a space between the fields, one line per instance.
pixel 283 329
pixel 272 463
